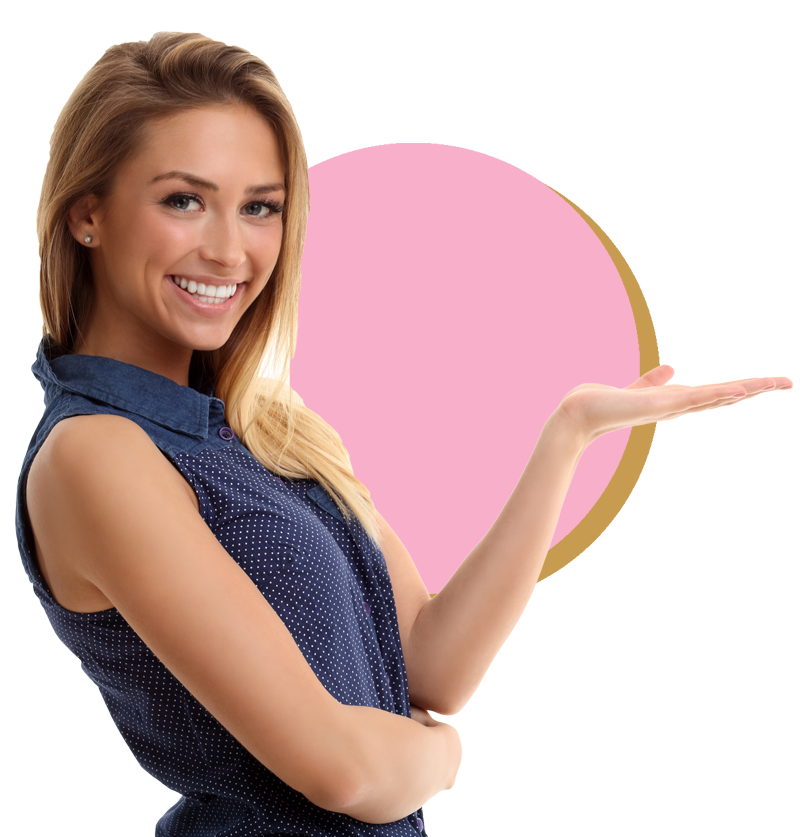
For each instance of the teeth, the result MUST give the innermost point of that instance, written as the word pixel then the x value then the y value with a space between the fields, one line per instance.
pixel 210 294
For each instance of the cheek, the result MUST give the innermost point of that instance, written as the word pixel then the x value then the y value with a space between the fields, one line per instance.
pixel 263 251
pixel 153 237
pixel 170 238
pixel 273 246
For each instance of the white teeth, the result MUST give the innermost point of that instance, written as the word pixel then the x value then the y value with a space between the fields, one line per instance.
pixel 210 294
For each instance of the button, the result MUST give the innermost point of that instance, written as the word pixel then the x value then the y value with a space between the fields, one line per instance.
pixel 367 608
pixel 226 434
pixel 420 824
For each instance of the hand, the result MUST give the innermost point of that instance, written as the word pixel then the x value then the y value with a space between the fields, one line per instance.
pixel 449 733
pixel 596 409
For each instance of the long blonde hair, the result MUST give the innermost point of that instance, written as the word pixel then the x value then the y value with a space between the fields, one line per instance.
pixel 101 127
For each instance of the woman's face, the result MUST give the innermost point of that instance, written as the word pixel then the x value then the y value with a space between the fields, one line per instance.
pixel 186 240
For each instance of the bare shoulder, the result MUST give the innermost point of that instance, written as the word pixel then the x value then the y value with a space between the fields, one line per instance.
pixel 85 468
pixel 89 466
pixel 90 452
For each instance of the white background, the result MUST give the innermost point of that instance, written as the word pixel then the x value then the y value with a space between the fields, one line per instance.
pixel 657 684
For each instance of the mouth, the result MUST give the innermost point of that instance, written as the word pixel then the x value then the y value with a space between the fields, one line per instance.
pixel 210 294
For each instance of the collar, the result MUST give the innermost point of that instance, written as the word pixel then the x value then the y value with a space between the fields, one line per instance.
pixel 125 387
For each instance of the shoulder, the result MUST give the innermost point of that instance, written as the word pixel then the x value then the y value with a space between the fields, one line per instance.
pixel 85 479
pixel 101 429
pixel 94 466
pixel 91 454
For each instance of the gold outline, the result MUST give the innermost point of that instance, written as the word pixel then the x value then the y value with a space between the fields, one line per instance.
pixel 633 459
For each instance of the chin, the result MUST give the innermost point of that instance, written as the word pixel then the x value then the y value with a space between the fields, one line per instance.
pixel 206 342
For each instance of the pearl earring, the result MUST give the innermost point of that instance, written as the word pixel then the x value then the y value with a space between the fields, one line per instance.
pixel 87 239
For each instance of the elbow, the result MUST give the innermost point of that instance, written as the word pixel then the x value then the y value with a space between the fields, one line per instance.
pixel 446 701
pixel 449 706
pixel 342 781
pixel 342 792
pixel 353 795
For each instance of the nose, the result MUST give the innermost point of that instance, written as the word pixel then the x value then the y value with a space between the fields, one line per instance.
pixel 223 244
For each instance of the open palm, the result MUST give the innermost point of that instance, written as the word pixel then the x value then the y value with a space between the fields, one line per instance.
pixel 596 409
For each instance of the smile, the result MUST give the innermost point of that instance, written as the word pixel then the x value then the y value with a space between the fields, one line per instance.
pixel 210 294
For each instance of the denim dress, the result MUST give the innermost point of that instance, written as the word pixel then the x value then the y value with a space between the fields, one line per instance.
pixel 322 575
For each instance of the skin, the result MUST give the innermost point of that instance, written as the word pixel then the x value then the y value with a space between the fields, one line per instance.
pixel 115 525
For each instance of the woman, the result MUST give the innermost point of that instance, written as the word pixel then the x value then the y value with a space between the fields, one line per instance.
pixel 196 536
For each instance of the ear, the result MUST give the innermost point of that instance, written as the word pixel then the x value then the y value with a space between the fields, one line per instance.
pixel 82 220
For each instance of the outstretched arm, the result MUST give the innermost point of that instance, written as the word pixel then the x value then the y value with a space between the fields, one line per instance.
pixel 451 640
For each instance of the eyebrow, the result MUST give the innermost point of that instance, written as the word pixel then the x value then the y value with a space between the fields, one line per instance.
pixel 206 184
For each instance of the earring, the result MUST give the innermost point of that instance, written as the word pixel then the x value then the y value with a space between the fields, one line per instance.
pixel 87 239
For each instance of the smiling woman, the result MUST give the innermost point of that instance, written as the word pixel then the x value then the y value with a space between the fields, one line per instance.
pixel 195 535
pixel 181 518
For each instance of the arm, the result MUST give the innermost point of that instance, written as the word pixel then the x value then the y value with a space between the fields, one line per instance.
pixel 103 498
pixel 451 640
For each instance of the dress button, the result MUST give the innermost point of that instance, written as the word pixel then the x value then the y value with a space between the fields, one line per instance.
pixel 420 824
pixel 367 608
pixel 226 434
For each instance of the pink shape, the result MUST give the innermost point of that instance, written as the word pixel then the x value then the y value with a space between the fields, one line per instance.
pixel 449 302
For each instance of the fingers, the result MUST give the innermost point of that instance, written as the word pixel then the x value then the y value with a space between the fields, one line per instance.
pixel 752 387
pixel 661 374
pixel 746 387
pixel 758 384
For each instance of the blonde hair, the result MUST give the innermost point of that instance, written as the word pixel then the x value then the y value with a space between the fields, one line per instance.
pixel 101 127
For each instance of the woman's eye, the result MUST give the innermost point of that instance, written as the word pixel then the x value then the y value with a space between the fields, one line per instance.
pixel 182 202
pixel 263 209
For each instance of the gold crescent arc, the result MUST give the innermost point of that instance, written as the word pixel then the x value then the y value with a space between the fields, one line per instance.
pixel 633 459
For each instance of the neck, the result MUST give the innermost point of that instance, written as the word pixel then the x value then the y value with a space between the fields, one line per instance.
pixel 161 357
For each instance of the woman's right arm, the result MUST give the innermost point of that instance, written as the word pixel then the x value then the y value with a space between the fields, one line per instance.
pixel 104 499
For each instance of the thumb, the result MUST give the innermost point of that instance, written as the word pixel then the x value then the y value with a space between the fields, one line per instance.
pixel 656 377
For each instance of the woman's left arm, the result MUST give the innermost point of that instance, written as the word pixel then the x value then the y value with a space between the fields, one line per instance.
pixel 449 641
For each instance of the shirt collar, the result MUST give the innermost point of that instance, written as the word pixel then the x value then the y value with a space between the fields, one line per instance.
pixel 125 387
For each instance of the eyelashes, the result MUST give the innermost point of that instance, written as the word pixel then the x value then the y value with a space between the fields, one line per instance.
pixel 274 207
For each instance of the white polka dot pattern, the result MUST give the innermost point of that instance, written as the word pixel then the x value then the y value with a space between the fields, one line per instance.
pixel 323 576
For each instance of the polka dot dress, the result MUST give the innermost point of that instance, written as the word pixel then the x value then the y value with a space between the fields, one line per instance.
pixel 322 575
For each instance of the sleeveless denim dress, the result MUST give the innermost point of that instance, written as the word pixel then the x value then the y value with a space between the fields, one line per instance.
pixel 322 575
